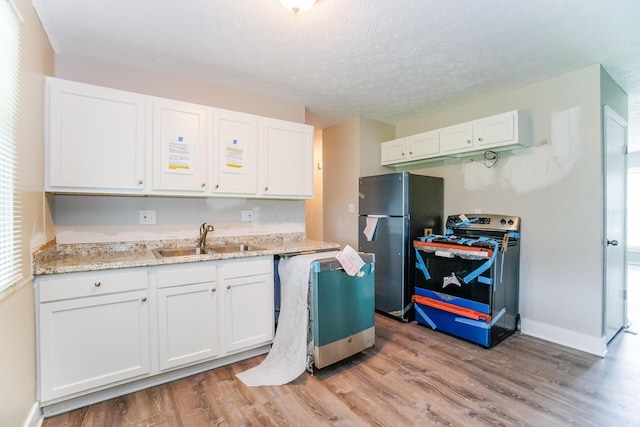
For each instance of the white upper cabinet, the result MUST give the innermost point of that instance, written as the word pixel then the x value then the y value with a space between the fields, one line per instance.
pixel 235 153
pixel 411 148
pixel 287 159
pixel 107 141
pixel 456 138
pixel 500 132
pixel 95 139
pixel 179 144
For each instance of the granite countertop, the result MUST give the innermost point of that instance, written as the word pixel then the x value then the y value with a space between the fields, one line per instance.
pixel 71 258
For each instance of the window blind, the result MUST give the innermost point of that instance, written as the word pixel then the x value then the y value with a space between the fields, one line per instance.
pixel 10 212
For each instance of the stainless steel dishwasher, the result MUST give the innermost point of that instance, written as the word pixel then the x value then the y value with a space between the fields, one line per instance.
pixel 341 311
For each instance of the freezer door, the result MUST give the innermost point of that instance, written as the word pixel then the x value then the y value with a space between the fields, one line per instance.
pixel 389 248
pixel 384 195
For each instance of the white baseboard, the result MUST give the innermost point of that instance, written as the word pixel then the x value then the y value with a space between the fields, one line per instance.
pixel 583 342
pixel 35 417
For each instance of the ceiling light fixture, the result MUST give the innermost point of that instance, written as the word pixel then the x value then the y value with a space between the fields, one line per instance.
pixel 297 5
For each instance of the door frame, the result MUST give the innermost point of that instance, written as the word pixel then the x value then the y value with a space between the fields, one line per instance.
pixel 610 113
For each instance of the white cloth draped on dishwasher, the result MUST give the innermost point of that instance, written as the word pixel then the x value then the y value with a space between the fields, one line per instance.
pixel 287 358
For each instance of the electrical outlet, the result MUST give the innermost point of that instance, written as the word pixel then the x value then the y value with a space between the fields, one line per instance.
pixel 247 215
pixel 148 217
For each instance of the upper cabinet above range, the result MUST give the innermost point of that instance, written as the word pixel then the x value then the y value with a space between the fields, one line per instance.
pixel 107 141
pixel 506 131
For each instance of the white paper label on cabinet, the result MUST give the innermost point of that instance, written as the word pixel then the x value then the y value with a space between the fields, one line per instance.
pixel 179 154
pixel 235 157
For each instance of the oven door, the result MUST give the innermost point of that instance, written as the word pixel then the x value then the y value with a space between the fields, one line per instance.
pixel 453 277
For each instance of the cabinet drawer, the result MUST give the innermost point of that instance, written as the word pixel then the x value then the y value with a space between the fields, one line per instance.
pixel 185 275
pixel 248 267
pixel 77 285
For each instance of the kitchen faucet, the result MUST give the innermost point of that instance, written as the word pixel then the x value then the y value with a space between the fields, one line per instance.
pixel 204 229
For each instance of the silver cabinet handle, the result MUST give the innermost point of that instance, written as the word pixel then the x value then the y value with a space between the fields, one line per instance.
pixel 266 188
pixel 480 139
pixel 228 286
pixel 97 284
pixel 143 299
pixel 217 186
pixel 202 185
pixel 468 141
pixel 140 182
pixel 213 289
pixel 612 243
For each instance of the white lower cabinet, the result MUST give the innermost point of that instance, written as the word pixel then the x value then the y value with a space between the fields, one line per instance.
pixel 249 314
pixel 93 331
pixel 187 314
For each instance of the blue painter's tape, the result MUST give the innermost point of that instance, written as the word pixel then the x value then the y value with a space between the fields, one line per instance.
pixel 486 265
pixel 235 141
pixel 514 235
pixel 420 265
pixel 481 324
pixel 180 138
pixel 422 314
pixel 485 280
pixel 449 231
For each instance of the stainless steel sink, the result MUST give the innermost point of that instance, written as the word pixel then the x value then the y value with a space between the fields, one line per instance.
pixel 220 249
pixel 174 252
pixel 240 247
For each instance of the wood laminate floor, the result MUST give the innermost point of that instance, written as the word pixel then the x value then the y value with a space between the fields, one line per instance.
pixel 413 376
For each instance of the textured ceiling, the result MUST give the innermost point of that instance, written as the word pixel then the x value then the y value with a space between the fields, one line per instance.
pixel 382 59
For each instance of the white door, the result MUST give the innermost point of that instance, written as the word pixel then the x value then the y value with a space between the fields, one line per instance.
pixel 287 159
pixel 235 153
pixel 179 147
pixel 615 140
pixel 187 324
pixel 248 311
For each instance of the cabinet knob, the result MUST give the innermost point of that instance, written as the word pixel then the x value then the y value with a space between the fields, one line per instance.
pixel 202 185
pixel 410 152
pixel 217 185
pixel 480 139
pixel 97 284
pixel 468 141
pixel 143 299
pixel 402 154
pixel 228 286
pixel 266 188
pixel 140 182
pixel 213 289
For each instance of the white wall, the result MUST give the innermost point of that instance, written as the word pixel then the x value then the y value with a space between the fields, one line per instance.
pixel 92 218
pixel 17 327
pixel 351 149
pixel 556 187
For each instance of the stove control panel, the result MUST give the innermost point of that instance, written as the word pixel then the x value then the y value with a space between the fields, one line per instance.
pixel 484 222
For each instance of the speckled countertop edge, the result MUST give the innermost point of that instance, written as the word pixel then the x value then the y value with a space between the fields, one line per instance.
pixel 71 258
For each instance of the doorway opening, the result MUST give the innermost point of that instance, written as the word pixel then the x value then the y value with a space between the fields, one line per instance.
pixel 633 242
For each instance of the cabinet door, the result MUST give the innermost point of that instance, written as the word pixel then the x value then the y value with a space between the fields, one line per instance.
pixel 95 139
pixel 187 324
pixel 235 153
pixel 248 311
pixel 423 145
pixel 179 147
pixel 494 131
pixel 91 342
pixel 287 159
pixel 456 138
pixel 393 151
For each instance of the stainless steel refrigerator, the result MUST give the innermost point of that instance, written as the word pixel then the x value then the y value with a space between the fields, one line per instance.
pixel 399 206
